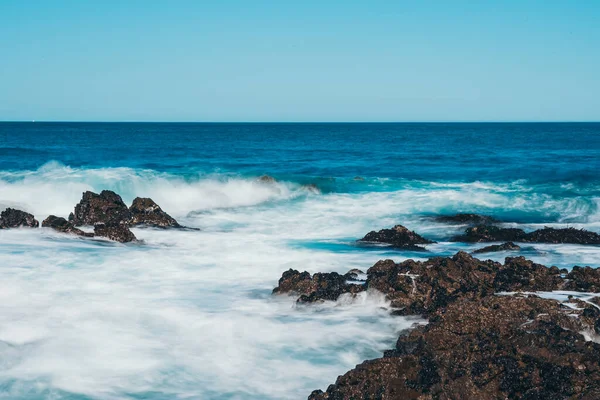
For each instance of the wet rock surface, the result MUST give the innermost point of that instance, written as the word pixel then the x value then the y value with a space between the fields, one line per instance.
pixel 106 208
pixel 493 233
pixel 266 179
pixel 62 225
pixel 508 246
pixel 500 348
pixel 399 237
pixel 12 218
pixel 470 219
pixel 144 211
pixel 117 232
pixel 482 341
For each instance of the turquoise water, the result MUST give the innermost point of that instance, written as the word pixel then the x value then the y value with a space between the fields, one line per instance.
pixel 189 314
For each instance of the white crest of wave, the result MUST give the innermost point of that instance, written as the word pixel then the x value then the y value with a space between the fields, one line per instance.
pixel 55 189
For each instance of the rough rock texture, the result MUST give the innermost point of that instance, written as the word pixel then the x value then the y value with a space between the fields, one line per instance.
pixel 11 218
pixel 115 231
pixel 145 211
pixel 492 233
pixel 318 287
pixel 106 208
pixel 62 225
pixel 471 219
pixel 502 347
pixel 565 235
pixel 583 279
pixel 508 246
pixel 399 237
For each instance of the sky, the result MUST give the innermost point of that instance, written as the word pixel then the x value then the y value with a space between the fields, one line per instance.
pixel 235 61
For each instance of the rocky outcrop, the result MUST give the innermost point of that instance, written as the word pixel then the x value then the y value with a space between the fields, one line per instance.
pixel 104 208
pixel 117 232
pixel 12 218
pixel 60 224
pixel 145 211
pixel 462 219
pixel 399 237
pixel 492 233
pixel 508 246
pixel 499 348
pixel 317 287
pixel 564 235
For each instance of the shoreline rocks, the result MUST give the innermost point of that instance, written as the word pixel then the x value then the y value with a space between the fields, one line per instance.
pixel 60 224
pixel 144 211
pixel 399 237
pixel 493 233
pixel 106 208
pixel 117 232
pixel 13 218
pixel 461 219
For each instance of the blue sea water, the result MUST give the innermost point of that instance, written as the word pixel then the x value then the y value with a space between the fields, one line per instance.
pixel 190 314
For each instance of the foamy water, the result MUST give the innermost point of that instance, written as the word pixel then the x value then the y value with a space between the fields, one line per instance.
pixel 189 314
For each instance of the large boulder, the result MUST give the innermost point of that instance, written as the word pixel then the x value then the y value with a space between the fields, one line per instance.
pixel 60 224
pixel 318 287
pixel 499 348
pixel 106 208
pixel 145 211
pixel 399 237
pixel 115 231
pixel 12 218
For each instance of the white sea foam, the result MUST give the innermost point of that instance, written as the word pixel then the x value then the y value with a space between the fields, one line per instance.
pixel 189 314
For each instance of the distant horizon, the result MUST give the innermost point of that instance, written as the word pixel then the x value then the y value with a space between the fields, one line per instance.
pixel 295 122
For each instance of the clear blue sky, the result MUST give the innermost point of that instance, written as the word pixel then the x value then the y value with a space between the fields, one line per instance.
pixel 300 61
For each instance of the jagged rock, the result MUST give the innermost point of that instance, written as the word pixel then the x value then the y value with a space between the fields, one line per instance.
pixel 471 219
pixel 564 235
pixel 501 347
pixel 106 207
pixel 520 274
pixel 12 218
pixel 491 233
pixel 583 279
pixel 399 237
pixel 62 225
pixel 115 231
pixel 318 287
pixel 508 246
pixel 145 211
pixel 266 179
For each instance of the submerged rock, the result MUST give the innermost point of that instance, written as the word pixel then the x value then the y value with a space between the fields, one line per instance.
pixel 12 218
pixel 312 188
pixel 502 347
pixel 106 208
pixel 471 219
pixel 399 237
pixel 62 225
pixel 145 211
pixel 117 232
pixel 508 246
pixel 266 179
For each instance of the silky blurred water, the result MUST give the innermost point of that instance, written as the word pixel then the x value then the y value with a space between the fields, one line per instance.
pixel 189 314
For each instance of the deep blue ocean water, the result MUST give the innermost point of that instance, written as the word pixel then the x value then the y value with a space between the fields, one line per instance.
pixel 189 314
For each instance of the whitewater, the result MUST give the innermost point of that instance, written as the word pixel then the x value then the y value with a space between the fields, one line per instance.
pixel 189 314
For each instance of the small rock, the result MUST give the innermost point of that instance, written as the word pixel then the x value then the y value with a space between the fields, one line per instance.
pixel 11 218
pixel 471 219
pixel 491 233
pixel 145 211
pixel 266 179
pixel 62 225
pixel 399 237
pixel 117 232
pixel 508 246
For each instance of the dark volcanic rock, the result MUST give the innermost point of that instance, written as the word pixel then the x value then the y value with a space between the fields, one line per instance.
pixel 491 233
pixel 399 237
pixel 471 219
pixel 106 207
pixel 62 225
pixel 565 235
pixel 498 247
pixel 501 347
pixel 318 287
pixel 116 232
pixel 11 218
pixel 583 279
pixel 520 274
pixel 145 211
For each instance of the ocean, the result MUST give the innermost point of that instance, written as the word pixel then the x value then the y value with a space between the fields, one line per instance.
pixel 189 314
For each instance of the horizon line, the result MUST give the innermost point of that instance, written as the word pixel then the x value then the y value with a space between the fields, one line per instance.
pixel 305 122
